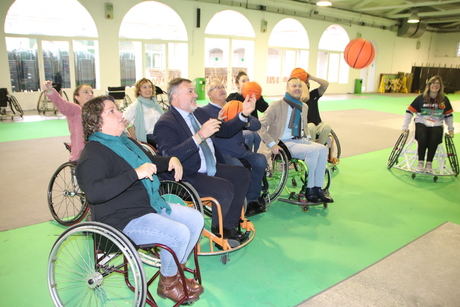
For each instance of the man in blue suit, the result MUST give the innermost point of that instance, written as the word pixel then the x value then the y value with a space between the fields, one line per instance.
pixel 185 130
pixel 235 152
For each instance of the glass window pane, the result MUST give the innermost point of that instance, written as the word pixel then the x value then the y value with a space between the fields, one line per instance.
pixel 289 63
pixel 56 62
pixel 153 20
pixel 274 66
pixel 129 56
pixel 22 60
pixel 334 38
pixel 289 33
pixel 216 59
pixel 177 60
pixel 155 63
pixel 230 22
pixel 302 59
pixel 50 17
pixel 344 71
pixel 85 62
pixel 322 64
pixel 243 56
pixel 333 67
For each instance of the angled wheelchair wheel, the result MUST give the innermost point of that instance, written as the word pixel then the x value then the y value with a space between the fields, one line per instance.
pixel 89 265
pixel 451 154
pixel 394 155
pixel 66 201
pixel 182 193
pixel 336 148
pixel 302 175
pixel 15 106
pixel 277 174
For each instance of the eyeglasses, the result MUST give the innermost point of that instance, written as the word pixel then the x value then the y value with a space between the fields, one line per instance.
pixel 217 87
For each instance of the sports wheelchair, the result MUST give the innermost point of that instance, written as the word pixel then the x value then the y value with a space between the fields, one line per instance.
pixel 404 157
pixel 90 261
pixel 45 105
pixel 9 101
pixel 287 174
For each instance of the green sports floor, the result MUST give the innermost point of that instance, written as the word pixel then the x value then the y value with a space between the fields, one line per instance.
pixel 295 254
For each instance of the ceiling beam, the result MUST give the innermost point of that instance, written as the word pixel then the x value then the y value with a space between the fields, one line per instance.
pixel 428 14
pixel 442 20
pixel 408 5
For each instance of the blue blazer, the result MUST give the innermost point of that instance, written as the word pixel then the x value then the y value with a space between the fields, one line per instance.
pixel 174 138
pixel 233 146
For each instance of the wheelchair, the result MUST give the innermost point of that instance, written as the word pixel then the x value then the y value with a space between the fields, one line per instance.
pixel 89 263
pixel 287 174
pixel 335 150
pixel 9 101
pixel 66 201
pixel 45 105
pixel 122 100
pixel 404 157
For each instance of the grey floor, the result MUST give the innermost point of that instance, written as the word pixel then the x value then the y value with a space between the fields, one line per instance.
pixel 426 272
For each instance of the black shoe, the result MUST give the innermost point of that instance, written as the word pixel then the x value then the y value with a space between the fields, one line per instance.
pixel 323 197
pixel 255 207
pixel 231 235
pixel 311 195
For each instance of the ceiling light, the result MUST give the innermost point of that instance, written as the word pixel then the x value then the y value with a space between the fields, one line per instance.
pixel 413 18
pixel 323 3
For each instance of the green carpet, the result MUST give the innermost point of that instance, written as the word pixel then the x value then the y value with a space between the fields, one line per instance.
pixel 17 131
pixel 295 254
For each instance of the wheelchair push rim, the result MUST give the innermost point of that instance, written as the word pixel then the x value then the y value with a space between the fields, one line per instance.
pixel 66 201
pixel 397 149
pixel 82 266
pixel 451 154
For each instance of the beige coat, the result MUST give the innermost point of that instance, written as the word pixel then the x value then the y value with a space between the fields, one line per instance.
pixel 274 120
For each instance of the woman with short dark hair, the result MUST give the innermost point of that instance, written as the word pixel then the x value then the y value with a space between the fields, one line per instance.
pixel 120 183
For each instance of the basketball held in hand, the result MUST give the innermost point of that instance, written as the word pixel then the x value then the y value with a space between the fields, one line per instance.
pixel 231 109
pixel 359 53
pixel 250 88
pixel 299 73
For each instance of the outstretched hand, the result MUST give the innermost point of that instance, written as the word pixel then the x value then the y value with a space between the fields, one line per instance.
pixel 174 164
pixel 47 86
pixel 249 105
pixel 209 128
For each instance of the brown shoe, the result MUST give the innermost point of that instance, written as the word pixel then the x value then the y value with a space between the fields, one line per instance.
pixel 171 287
pixel 193 287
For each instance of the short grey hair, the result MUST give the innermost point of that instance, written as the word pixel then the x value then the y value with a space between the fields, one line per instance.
pixel 173 85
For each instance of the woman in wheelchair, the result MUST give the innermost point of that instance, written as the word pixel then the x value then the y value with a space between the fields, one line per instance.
pixel 121 185
pixel 432 109
pixel 144 112
pixel 72 111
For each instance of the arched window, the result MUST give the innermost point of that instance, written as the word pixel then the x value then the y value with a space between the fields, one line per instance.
pixel 153 44
pixel 68 53
pixel 228 49
pixel 331 63
pixel 288 48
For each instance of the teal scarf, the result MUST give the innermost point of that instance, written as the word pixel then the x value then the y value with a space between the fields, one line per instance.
pixel 131 153
pixel 296 118
pixel 139 121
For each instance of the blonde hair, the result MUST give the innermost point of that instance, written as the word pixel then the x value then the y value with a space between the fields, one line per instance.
pixel 139 84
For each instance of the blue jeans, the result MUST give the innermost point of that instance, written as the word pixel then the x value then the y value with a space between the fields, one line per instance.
pixel 258 164
pixel 252 140
pixel 315 156
pixel 179 230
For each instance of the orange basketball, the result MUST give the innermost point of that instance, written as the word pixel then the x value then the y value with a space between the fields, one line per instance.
pixel 231 109
pixel 359 53
pixel 299 73
pixel 251 88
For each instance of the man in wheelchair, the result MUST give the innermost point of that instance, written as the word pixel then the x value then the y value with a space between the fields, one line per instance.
pixel 284 121
pixel 234 150
pixel 120 183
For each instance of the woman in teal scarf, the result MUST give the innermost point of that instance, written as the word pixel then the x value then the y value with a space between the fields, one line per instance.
pixel 144 112
pixel 120 183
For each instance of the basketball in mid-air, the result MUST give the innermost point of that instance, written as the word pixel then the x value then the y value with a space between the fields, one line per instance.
pixel 251 87
pixel 359 53
pixel 231 109
pixel 299 73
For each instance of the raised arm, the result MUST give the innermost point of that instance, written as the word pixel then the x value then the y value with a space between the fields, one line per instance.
pixel 323 84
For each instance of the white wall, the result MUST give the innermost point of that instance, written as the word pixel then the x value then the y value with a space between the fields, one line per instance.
pixel 393 54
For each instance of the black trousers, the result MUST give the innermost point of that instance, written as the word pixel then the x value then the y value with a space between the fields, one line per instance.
pixel 428 138
pixel 229 186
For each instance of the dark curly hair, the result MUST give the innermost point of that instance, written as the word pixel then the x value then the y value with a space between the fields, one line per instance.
pixel 91 114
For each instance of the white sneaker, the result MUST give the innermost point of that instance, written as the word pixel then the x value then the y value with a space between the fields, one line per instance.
pixel 428 168
pixel 420 167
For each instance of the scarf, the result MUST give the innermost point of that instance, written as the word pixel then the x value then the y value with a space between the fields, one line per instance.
pixel 295 120
pixel 139 121
pixel 131 153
